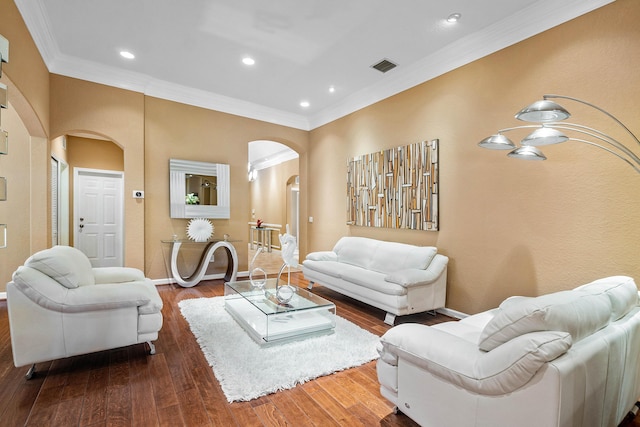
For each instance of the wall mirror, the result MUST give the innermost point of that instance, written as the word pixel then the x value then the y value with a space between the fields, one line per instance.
pixel 199 189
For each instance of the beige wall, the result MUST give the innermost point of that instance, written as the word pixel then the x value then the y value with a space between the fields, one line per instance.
pixel 27 71
pixel 508 226
pixel 180 131
pixel 81 107
pixel 15 210
pixel 26 166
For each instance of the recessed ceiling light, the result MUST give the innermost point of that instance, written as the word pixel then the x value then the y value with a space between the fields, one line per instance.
pixel 304 104
pixel 127 54
pixel 332 89
pixel 454 17
pixel 248 61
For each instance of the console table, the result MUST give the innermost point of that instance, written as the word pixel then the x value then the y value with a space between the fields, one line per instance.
pixel 263 237
pixel 209 248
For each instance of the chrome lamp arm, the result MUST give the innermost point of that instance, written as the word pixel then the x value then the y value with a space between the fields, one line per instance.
pixel 548 114
pixel 614 118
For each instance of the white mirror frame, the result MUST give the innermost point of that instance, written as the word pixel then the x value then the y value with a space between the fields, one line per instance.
pixel 177 191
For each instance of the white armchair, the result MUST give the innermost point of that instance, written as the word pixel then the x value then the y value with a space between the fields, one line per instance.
pixel 59 306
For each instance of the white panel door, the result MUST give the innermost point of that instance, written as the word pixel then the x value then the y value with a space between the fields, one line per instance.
pixel 98 216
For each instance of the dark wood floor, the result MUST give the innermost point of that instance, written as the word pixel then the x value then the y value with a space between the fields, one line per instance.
pixel 176 387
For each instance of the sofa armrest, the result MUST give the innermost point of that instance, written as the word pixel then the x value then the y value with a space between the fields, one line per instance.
pixel 322 256
pixel 117 274
pixel 462 363
pixel 417 277
pixel 107 297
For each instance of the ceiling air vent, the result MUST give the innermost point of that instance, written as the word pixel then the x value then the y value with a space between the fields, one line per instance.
pixel 384 66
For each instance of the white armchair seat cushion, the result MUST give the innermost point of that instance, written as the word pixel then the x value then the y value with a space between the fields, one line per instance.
pixel 117 275
pixel 578 313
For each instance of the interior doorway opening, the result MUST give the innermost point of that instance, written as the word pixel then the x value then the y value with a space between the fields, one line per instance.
pixel 274 201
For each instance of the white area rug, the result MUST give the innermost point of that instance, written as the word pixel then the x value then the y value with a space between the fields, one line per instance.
pixel 247 371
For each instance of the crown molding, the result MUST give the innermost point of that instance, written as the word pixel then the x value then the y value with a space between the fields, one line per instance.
pixel 540 16
pixel 38 25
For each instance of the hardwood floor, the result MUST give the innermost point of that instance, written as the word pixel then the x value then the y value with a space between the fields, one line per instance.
pixel 176 387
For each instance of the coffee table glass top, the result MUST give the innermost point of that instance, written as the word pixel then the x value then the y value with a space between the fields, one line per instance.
pixel 265 299
pixel 269 321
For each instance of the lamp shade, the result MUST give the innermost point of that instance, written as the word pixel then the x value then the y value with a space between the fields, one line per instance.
pixel 543 111
pixel 497 142
pixel 544 136
pixel 527 152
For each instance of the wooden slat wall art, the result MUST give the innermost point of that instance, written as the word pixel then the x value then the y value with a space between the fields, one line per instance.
pixel 395 188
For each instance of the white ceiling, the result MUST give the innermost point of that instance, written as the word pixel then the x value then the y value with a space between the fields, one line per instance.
pixel 191 51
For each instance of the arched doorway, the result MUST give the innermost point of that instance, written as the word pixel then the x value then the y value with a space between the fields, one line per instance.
pixel 273 170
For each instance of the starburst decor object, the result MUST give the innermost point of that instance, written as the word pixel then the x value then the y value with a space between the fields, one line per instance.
pixel 200 229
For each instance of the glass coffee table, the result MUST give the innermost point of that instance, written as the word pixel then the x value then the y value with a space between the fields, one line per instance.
pixel 268 321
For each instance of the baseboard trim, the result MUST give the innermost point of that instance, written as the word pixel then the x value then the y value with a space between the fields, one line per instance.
pixel 3 296
pixel 169 280
pixel 452 313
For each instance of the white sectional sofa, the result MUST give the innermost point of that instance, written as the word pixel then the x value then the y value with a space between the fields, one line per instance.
pixel 396 277
pixel 564 359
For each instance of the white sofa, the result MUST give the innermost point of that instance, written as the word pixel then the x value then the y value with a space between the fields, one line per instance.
pixel 396 277
pixel 59 306
pixel 564 359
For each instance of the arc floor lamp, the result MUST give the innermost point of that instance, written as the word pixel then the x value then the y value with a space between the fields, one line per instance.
pixel 551 130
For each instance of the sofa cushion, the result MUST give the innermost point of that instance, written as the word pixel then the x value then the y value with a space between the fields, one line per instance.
pixel 382 256
pixel 330 268
pixel 65 264
pixel 371 280
pixel 355 250
pixel 577 313
pixel 322 256
pixel 389 257
pixel 621 290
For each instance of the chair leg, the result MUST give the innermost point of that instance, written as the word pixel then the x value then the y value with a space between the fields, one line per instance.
pixel 389 318
pixel 30 372
pixel 152 347
pixel 631 415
